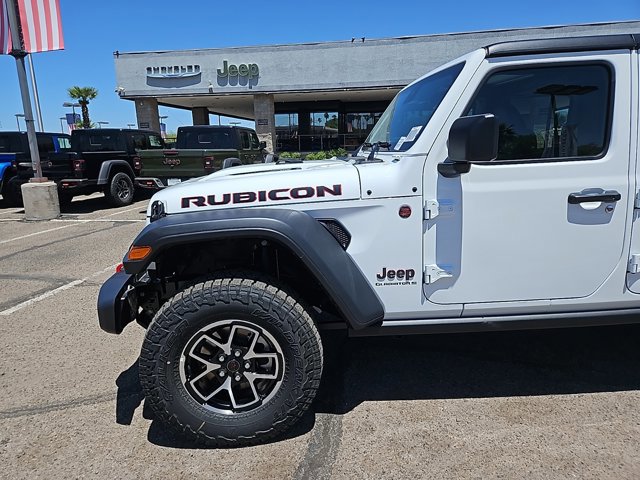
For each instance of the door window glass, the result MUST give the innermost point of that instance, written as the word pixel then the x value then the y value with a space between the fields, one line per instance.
pixel 45 144
pixel 10 143
pixel 139 142
pixel 244 136
pixel 155 141
pixel 64 143
pixel 548 112
pixel 255 143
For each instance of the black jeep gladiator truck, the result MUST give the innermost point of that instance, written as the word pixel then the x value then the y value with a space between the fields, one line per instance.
pixel 200 150
pixel 101 160
pixel 15 159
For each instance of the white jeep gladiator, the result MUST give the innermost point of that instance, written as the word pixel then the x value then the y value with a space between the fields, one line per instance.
pixel 499 191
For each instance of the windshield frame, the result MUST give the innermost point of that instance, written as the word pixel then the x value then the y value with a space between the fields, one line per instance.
pixel 381 131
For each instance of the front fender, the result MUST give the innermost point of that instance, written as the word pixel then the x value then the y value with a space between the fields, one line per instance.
pixel 331 266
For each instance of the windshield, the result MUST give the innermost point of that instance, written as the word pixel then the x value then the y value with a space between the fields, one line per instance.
pixel 408 114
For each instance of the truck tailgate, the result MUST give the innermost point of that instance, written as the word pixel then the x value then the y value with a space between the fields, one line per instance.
pixel 181 164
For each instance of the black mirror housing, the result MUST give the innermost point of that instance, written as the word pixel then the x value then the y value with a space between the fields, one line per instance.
pixel 474 139
pixel 263 145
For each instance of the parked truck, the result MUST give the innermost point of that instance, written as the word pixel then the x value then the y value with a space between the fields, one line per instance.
pixel 15 159
pixel 102 160
pixel 499 191
pixel 200 150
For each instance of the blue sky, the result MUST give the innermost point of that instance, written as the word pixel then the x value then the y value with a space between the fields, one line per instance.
pixel 93 30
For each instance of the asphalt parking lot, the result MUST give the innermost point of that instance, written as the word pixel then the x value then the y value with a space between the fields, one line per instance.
pixel 547 404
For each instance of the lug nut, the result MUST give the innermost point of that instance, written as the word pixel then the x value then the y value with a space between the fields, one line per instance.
pixel 247 365
pixel 238 377
pixel 222 373
pixel 237 353
pixel 221 358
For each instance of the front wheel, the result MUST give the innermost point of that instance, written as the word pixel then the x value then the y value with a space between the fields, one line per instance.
pixel 231 362
pixel 120 190
pixel 12 192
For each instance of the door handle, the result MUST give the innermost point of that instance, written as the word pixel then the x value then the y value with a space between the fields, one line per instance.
pixel 607 196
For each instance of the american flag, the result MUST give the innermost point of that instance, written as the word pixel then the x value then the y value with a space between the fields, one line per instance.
pixel 41 26
pixel 5 34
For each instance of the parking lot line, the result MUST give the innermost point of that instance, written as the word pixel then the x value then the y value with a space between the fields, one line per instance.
pixel 53 292
pixel 123 211
pixel 34 234
pixel 104 220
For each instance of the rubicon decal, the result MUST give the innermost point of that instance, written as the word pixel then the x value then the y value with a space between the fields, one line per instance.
pixel 392 277
pixel 277 194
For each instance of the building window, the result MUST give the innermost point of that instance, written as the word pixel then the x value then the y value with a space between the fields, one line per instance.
pixel 287 131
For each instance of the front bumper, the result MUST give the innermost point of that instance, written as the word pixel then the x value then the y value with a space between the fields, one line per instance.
pixel 117 305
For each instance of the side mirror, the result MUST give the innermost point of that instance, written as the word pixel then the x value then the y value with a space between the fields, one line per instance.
pixel 474 139
pixel 263 145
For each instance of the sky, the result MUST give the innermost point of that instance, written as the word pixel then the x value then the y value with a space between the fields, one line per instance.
pixel 93 30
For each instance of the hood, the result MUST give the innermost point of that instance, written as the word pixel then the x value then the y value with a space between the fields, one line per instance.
pixel 264 185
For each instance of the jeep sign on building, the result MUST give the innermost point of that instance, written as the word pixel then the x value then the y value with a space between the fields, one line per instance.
pixel 304 96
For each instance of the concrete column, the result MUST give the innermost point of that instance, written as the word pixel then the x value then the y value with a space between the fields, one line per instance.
pixel 200 115
pixel 264 113
pixel 40 201
pixel 147 114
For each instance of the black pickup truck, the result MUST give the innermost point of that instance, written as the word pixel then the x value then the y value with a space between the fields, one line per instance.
pixel 200 150
pixel 15 159
pixel 101 160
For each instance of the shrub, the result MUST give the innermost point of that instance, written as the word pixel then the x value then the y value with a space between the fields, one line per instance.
pixel 289 155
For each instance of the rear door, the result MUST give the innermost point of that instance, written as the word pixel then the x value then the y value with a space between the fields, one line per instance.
pixel 258 155
pixel 530 226
pixel 58 164
pixel 247 154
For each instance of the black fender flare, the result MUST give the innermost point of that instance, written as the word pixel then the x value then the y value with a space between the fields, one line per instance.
pixel 107 166
pixel 318 250
pixel 231 162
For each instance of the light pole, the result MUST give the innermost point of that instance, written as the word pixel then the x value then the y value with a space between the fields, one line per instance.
pixel 73 109
pixel 18 115
pixel 61 124
pixel 102 123
pixel 131 125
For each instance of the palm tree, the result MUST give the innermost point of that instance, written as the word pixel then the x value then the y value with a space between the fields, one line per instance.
pixel 83 95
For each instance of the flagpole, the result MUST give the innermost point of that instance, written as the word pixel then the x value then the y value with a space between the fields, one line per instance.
pixel 18 53
pixel 36 97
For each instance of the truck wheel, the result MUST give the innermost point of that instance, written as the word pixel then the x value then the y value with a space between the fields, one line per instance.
pixel 231 362
pixel 65 198
pixel 12 193
pixel 120 190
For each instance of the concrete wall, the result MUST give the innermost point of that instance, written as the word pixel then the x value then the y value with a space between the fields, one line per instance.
pixel 320 66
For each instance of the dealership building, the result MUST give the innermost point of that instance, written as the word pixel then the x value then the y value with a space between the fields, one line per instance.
pixel 309 96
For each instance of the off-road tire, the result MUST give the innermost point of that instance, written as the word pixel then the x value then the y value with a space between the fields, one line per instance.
pixel 250 299
pixel 12 193
pixel 120 190
pixel 65 198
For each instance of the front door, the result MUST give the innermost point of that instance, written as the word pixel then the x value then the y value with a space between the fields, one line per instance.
pixel 547 219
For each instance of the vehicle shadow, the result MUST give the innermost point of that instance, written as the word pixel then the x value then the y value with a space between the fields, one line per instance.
pixel 480 365
pixel 93 203
pixel 497 364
